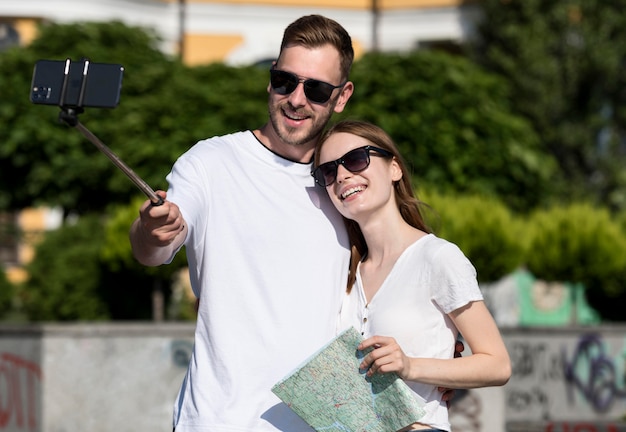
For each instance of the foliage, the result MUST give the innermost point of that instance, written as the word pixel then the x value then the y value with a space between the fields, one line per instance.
pixel 620 219
pixel 64 278
pixel 191 104
pixel 44 162
pixel 564 61
pixel 116 254
pixel 6 294
pixel 445 113
pixel 116 251
pixel 576 243
pixel 75 275
pixel 165 107
pixel 485 230
pixel 489 143
pixel 454 125
pixel 581 243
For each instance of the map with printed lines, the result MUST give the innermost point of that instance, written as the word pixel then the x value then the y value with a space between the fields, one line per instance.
pixel 330 393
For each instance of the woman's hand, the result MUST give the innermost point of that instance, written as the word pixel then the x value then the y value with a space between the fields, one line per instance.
pixel 386 356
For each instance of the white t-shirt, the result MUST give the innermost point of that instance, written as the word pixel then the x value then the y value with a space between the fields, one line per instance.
pixel 429 280
pixel 268 257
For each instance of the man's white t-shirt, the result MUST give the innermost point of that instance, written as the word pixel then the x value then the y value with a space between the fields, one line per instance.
pixel 429 280
pixel 268 257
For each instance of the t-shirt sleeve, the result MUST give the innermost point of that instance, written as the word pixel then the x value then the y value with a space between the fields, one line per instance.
pixel 191 181
pixel 184 190
pixel 456 284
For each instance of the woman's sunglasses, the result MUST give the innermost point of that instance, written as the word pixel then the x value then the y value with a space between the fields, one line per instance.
pixel 285 83
pixel 354 161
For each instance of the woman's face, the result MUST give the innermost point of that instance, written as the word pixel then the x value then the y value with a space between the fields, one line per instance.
pixel 366 193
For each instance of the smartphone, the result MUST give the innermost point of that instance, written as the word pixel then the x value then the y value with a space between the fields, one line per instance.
pixel 68 83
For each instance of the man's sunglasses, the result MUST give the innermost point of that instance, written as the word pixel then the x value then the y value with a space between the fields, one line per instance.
pixel 354 161
pixel 285 83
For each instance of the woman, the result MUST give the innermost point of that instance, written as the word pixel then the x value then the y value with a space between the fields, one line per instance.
pixel 409 292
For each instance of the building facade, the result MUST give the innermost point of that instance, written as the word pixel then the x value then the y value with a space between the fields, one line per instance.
pixel 247 31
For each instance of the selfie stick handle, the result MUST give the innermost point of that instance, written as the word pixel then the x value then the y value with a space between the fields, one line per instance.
pixel 69 116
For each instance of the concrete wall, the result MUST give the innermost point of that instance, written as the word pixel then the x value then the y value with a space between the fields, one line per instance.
pixel 96 378
pixel 564 380
pixel 124 377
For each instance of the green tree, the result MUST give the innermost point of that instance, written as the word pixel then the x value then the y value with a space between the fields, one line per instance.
pixel 165 107
pixel 454 124
pixel 75 276
pixel 483 228
pixel 581 243
pixel 6 294
pixel 565 62
pixel 42 160
pixel 451 120
pixel 64 277
pixel 130 280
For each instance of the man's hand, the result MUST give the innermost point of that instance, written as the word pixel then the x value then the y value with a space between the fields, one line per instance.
pixel 160 225
pixel 157 232
pixel 448 394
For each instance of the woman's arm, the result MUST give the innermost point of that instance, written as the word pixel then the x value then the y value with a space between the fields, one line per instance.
pixel 488 365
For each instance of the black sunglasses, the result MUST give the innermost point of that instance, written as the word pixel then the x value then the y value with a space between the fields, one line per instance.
pixel 354 161
pixel 285 83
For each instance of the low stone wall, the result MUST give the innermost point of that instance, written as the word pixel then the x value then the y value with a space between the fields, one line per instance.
pixel 97 378
pixel 124 377
pixel 564 380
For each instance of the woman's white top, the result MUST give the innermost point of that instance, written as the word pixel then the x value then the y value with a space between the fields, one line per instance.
pixel 429 280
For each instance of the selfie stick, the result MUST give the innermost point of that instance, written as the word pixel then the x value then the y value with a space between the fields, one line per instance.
pixel 70 116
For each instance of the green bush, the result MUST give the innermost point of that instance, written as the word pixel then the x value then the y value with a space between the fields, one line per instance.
pixel 620 219
pixel 483 228
pixel 123 269
pixel 578 243
pixel 454 124
pixel 6 294
pixel 65 274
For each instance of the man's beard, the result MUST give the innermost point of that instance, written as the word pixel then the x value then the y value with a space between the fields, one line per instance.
pixel 302 135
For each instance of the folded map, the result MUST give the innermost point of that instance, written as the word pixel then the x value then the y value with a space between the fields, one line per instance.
pixel 330 393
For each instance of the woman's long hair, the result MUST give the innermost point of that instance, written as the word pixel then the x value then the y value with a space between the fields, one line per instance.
pixel 409 205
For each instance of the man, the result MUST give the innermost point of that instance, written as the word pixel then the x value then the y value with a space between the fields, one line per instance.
pixel 268 254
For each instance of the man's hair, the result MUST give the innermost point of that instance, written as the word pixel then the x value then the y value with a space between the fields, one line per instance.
pixel 314 31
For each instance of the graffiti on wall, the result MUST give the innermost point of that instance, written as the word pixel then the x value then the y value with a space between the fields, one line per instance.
pixel 20 389
pixel 577 377
pixel 582 427
pixel 594 374
pixel 181 350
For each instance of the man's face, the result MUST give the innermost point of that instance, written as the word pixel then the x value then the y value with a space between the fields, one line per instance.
pixel 295 119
